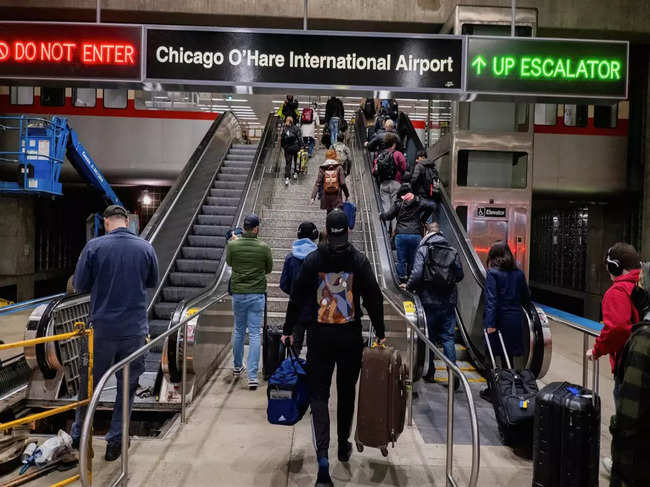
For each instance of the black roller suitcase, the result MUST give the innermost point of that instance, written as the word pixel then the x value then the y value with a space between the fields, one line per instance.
pixel 566 446
pixel 513 395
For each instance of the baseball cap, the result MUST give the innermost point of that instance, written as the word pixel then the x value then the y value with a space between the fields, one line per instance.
pixel 337 227
pixel 115 210
pixel 307 230
pixel 251 221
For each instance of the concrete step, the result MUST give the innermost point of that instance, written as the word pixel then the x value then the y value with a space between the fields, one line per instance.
pixel 286 242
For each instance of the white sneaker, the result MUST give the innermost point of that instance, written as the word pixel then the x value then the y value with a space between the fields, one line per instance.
pixel 238 371
pixel 253 384
pixel 295 176
pixel 607 464
pixel 286 181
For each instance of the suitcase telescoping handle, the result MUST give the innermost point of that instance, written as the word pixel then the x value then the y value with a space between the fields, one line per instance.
pixel 503 347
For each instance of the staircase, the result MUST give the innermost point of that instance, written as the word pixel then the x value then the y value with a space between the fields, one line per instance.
pixel 198 261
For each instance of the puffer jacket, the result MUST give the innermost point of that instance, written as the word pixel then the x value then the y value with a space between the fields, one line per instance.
pixel 618 316
pixel 419 181
pixel 410 215
pixel 291 138
pixel 251 260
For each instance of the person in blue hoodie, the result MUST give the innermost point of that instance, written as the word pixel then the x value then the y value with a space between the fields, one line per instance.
pixel 301 248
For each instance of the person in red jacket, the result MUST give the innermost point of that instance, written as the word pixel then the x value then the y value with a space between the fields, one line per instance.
pixel 619 313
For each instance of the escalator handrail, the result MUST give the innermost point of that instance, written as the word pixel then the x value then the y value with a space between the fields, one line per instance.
pixel 171 198
pixel 23 305
pixel 191 220
pixel 268 136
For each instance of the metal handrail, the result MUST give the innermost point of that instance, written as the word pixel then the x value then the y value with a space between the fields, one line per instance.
pixel 26 304
pixel 452 370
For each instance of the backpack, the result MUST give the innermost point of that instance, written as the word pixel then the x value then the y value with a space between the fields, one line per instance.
pixel 331 180
pixel 393 109
pixel 439 270
pixel 289 137
pixel 369 108
pixel 431 183
pixel 307 115
pixel 386 168
pixel 341 155
pixel 288 392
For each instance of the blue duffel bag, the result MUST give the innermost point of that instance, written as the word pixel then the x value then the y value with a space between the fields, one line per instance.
pixel 288 391
pixel 350 211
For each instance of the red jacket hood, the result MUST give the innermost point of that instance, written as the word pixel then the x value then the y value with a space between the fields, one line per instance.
pixel 627 281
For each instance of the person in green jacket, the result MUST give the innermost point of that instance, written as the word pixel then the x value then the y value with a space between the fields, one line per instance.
pixel 250 260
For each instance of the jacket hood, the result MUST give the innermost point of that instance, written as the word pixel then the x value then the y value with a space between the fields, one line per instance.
pixel 631 277
pixel 435 238
pixel 302 247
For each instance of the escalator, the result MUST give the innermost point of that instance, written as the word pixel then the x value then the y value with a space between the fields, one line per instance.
pixel 471 290
pixel 188 234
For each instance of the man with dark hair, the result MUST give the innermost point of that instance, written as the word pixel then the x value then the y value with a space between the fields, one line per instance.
pixel 389 169
pixel 425 179
pixel 337 278
pixel 623 264
pixel 250 260
pixel 116 269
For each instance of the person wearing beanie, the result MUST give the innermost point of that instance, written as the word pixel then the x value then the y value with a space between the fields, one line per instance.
pixel 330 183
pixel 630 426
pixel 623 265
pixel 338 279
pixel 301 248
pixel 410 212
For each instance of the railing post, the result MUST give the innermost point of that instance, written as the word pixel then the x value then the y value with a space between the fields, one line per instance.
pixel 184 375
pixel 411 378
pixel 594 388
pixel 126 416
pixel 450 427
pixel 585 360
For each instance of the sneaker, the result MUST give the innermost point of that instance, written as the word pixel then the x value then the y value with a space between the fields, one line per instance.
pixel 295 176
pixel 485 394
pixel 345 451
pixel 607 464
pixel 286 181
pixel 252 384
pixel 323 479
pixel 113 451
pixel 238 371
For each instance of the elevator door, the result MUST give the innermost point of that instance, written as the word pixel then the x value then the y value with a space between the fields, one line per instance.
pixel 483 233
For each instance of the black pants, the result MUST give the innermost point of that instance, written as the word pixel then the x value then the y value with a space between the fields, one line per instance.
pixel 298 337
pixel 327 346
pixel 290 158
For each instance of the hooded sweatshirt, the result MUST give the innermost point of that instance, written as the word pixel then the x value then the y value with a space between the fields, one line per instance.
pixel 618 316
pixel 300 249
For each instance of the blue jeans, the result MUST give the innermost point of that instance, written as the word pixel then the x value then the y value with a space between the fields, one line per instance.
pixel 334 129
pixel 109 351
pixel 309 142
pixel 406 246
pixel 249 314
pixel 441 323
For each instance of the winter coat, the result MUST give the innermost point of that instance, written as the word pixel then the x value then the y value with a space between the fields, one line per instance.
pixel 330 201
pixel 505 293
pixel 250 260
pixel 376 143
pixel 334 108
pixel 347 273
pixel 410 215
pixel 416 282
pixel 289 109
pixel 291 140
pixel 618 315
pixel 301 248
pixel 400 162
pixel 419 182
pixel 309 129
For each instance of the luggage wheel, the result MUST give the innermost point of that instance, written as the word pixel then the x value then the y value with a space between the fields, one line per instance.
pixel 384 451
pixel 359 447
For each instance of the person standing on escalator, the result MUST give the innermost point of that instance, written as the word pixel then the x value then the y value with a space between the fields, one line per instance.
pixel 289 108
pixel 334 115
pixel 291 142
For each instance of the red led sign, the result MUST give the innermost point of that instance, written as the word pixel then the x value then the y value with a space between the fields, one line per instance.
pixel 65 51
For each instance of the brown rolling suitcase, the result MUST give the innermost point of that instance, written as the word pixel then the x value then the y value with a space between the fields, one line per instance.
pixel 382 399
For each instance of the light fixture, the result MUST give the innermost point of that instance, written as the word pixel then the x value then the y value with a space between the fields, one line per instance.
pixel 146 198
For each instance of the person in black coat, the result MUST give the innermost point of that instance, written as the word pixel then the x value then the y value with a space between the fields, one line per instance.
pixel 506 292
pixel 291 141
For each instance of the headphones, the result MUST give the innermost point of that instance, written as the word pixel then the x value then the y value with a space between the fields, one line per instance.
pixel 614 266
pixel 313 236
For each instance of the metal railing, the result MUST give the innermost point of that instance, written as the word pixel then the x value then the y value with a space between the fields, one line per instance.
pixel 23 305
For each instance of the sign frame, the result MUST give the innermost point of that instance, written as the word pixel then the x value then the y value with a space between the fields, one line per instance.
pixel 59 79
pixel 459 91
pixel 547 95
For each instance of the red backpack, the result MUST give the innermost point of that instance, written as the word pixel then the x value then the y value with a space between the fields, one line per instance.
pixel 307 115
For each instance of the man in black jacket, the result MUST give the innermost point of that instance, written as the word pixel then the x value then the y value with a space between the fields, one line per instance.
pixel 337 277
pixel 411 212
pixel 334 114
pixel 376 143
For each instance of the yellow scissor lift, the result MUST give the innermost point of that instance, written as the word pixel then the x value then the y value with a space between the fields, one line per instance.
pixel 80 330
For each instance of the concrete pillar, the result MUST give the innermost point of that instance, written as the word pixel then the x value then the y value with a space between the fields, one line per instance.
pixel 17 234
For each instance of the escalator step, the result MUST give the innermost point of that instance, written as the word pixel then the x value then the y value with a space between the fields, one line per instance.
pixel 243 171
pixel 239 156
pixel 163 310
pixel 152 361
pixel 222 201
pixel 219 210
pixel 179 293
pixel 197 265
pixel 196 279
pixel 226 193
pixel 238 178
pixel 204 253
pixel 229 185
pixel 236 163
pixel 206 241
pixel 156 327
pixel 225 220
pixel 215 230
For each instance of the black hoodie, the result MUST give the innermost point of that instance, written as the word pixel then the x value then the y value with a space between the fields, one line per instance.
pixel 326 278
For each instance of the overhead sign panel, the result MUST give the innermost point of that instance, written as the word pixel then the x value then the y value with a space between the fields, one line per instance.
pixel 547 67
pixel 318 59
pixel 70 51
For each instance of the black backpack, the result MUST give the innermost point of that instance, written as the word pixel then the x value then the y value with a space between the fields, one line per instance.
pixel 289 137
pixel 386 169
pixel 369 108
pixel 439 269
pixel 430 183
